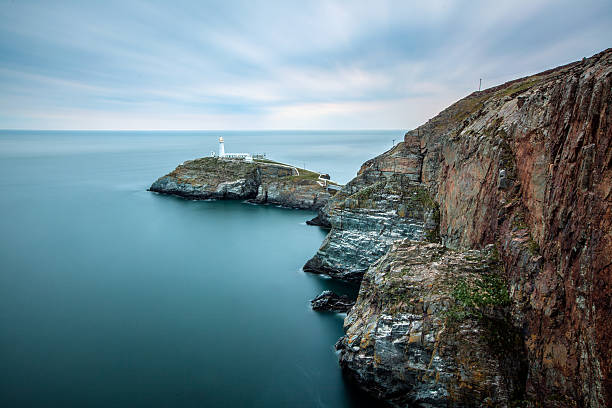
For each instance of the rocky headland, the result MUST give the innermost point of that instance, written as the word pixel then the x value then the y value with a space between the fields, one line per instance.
pixel 484 246
pixel 433 325
pixel 259 182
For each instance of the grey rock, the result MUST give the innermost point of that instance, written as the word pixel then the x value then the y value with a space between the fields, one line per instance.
pixel 410 342
pixel 259 182
pixel 331 302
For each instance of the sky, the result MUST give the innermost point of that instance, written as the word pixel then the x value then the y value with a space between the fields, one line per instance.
pixel 231 65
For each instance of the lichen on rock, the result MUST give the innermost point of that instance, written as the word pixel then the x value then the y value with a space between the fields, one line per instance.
pixel 413 339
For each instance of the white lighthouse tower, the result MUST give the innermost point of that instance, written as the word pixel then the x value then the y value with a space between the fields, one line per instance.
pixel 221 147
pixel 247 157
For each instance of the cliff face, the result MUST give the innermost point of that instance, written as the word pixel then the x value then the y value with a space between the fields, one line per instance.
pixel 526 166
pixel 260 182
pixel 210 178
pixel 383 204
pixel 432 328
pixel 531 169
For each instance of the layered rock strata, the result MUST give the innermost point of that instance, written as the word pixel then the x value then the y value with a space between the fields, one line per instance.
pixel 384 203
pixel 526 166
pixel 431 327
pixel 260 182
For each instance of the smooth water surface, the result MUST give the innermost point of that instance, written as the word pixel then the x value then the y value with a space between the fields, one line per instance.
pixel 112 296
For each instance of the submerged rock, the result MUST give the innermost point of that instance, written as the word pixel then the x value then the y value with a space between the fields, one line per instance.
pixel 330 302
pixel 260 182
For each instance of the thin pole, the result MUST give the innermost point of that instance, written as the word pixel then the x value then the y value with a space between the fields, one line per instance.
pixel 480 85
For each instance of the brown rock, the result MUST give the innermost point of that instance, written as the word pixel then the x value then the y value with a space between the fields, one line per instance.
pixel 526 166
pixel 554 141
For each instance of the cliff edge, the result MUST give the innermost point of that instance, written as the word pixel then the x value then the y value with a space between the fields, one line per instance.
pixel 525 167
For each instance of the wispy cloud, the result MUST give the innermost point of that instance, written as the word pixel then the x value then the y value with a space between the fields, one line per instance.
pixel 241 64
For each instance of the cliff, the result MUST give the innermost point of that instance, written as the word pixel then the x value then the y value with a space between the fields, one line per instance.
pixel 526 167
pixel 260 182
pixel 432 326
pixel 384 203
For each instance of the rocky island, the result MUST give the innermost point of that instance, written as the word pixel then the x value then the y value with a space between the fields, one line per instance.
pixel 260 181
pixel 483 243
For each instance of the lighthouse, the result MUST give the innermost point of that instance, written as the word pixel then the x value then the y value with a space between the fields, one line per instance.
pixel 247 157
pixel 221 147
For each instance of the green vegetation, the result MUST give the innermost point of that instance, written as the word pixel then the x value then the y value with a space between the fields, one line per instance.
pixel 421 196
pixel 368 192
pixel 494 257
pixel 467 106
pixel 307 175
pixel 304 175
pixel 267 161
pixel 417 199
pixel 486 290
pixel 476 295
pixel 533 247
pixel 201 171
pixel 506 156
pixel 520 87
pixel 518 222
pixel 433 235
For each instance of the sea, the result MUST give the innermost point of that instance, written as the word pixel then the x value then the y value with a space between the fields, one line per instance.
pixel 114 296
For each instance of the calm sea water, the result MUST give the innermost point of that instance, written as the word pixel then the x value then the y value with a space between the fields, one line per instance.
pixel 112 296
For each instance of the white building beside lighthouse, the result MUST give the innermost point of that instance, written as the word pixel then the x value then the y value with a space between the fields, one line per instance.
pixel 247 157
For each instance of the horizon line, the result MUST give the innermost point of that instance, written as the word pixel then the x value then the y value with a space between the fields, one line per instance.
pixel 197 130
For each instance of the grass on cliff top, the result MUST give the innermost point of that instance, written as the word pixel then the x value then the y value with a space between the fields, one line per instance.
pixel 268 161
pixel 212 165
pixel 219 167
pixel 304 174
pixel 309 175
pixel 519 87
pixel 463 108
pixel 466 107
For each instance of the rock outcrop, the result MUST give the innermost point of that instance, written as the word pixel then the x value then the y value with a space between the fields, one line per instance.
pixel 431 327
pixel 383 204
pixel 527 167
pixel 260 182
pixel 329 301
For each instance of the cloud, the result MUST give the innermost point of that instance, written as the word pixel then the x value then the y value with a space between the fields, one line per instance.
pixel 278 65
